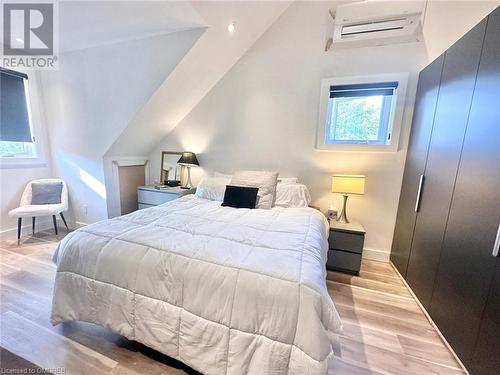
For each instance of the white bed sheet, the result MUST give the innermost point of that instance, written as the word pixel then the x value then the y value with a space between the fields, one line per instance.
pixel 224 290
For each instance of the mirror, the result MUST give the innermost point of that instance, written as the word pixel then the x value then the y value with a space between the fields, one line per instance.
pixel 170 170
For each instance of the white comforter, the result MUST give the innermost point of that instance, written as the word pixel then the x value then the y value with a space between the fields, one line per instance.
pixel 223 290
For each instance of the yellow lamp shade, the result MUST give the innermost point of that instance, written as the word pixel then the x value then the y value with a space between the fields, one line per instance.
pixel 348 184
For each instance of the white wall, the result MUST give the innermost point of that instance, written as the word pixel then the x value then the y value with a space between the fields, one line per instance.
pixel 263 115
pixel 214 53
pixel 91 99
pixel 447 21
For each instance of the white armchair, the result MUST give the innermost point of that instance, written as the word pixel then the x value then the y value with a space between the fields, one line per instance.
pixel 27 208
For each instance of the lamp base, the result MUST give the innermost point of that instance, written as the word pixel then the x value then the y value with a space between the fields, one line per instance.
pixel 342 218
pixel 188 184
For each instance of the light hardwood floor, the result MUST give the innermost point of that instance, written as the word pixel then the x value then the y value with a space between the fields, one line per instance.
pixel 385 331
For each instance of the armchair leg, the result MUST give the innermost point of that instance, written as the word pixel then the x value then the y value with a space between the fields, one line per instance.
pixel 19 223
pixel 33 223
pixel 55 223
pixel 64 221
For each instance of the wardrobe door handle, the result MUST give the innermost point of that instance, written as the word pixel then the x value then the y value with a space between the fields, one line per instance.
pixel 496 246
pixel 419 192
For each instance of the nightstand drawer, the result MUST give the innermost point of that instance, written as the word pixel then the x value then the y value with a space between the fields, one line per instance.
pixel 154 198
pixel 346 241
pixel 344 261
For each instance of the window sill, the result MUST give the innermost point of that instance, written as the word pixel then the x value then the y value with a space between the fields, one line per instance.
pixel 13 163
pixel 357 148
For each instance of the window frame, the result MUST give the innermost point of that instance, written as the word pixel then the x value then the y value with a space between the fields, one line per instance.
pixel 395 120
pixel 33 99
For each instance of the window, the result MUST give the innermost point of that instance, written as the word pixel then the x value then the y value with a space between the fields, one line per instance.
pixel 362 113
pixel 16 135
pixel 17 149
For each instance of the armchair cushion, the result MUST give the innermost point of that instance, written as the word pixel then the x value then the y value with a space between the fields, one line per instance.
pixel 37 210
pixel 46 193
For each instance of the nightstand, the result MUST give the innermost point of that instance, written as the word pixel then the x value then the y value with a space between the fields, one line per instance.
pixel 345 247
pixel 148 196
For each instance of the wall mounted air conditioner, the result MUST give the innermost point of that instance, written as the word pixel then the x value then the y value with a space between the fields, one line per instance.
pixel 377 22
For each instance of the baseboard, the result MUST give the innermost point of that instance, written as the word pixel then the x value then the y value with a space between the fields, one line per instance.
pixel 79 224
pixel 42 223
pixel 430 320
pixel 379 255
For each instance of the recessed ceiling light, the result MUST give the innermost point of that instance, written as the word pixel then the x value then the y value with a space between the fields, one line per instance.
pixel 19 40
pixel 231 27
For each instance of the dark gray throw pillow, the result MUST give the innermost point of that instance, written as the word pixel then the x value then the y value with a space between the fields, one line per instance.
pixel 240 196
pixel 46 193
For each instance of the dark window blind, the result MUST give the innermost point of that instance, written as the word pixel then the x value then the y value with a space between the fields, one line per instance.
pixel 364 89
pixel 14 118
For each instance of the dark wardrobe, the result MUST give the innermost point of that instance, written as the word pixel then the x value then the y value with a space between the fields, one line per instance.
pixel 448 223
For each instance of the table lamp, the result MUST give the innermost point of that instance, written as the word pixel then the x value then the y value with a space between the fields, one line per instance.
pixel 188 159
pixel 347 184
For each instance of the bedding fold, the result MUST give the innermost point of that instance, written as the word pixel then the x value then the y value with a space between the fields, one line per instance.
pixel 224 290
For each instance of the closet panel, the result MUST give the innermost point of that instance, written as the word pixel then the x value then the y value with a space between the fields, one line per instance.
pixel 455 95
pixel 466 266
pixel 486 359
pixel 423 117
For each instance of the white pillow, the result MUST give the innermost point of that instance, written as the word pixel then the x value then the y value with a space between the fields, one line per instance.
pixel 292 195
pixel 288 180
pixel 212 188
pixel 265 181
pixel 284 180
pixel 218 174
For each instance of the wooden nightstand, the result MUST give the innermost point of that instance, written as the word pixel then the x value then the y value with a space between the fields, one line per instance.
pixel 148 196
pixel 345 247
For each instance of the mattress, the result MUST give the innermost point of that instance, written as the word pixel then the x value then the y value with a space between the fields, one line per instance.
pixel 224 290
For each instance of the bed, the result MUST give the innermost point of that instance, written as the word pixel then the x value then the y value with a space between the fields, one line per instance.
pixel 224 290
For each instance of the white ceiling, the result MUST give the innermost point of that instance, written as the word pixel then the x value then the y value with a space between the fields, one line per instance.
pixel 211 57
pixel 84 24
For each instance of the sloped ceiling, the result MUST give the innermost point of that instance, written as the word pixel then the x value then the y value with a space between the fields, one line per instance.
pixel 204 65
pixel 114 56
pixel 86 24
pixel 456 17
